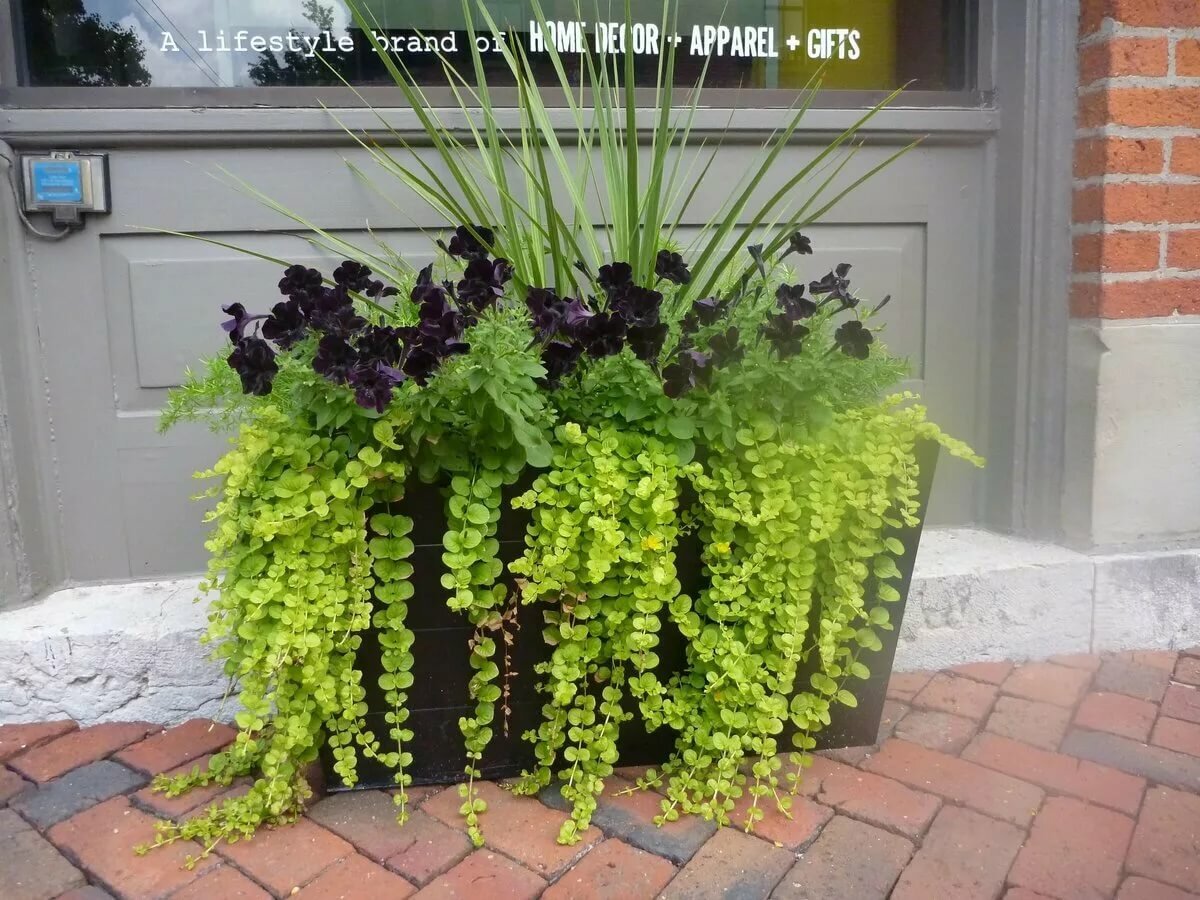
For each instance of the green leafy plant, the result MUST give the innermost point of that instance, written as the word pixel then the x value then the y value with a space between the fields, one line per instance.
pixel 656 390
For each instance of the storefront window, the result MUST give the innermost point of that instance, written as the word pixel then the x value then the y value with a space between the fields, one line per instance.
pixel 870 44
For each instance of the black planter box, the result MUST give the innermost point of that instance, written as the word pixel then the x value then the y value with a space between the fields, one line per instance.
pixel 441 671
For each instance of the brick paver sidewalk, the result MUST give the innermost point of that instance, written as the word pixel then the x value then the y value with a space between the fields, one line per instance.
pixel 1077 777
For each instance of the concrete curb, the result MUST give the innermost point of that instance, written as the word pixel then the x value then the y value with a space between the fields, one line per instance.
pixel 131 650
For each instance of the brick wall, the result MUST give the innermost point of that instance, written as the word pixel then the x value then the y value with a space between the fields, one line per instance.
pixel 1137 160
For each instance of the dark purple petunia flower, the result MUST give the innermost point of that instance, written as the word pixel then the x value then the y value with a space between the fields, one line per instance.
pixel 287 325
pixel 576 316
pixel 483 282
pixel 546 310
pixel 335 359
pixel 236 326
pixel 638 306
pixel 835 284
pixel 798 243
pixel 725 348
pixel 559 358
pixel 373 385
pixel 646 341
pixel 472 241
pixel 353 276
pixel 691 369
pixel 670 266
pixel 300 282
pixel 379 344
pixel 424 287
pixel 785 336
pixel 614 276
pixel 603 335
pixel 254 361
pixel 791 301
pixel 854 339
pixel 334 313
pixel 709 310
pixel 420 364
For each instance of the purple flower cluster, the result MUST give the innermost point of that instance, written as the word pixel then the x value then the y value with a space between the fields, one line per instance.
pixel 570 328
pixel 372 359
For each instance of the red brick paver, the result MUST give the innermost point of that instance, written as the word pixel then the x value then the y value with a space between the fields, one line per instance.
pixel 1058 772
pixel 287 857
pixel 1166 844
pixel 958 696
pixel 16 739
pixel 1177 735
pixel 77 749
pixel 1118 714
pixel 1047 683
pixel 102 841
pixel 1075 850
pixel 731 864
pixel 1182 702
pixel 356 878
pixel 1040 724
pixel 955 779
pixel 965 856
pixel 172 748
pixel 613 871
pixel 1078 777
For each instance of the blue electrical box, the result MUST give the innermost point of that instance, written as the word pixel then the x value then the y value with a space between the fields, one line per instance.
pixel 56 182
pixel 65 184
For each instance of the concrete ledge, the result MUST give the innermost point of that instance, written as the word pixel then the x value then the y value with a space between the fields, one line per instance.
pixel 131 651
pixel 980 596
pixel 108 653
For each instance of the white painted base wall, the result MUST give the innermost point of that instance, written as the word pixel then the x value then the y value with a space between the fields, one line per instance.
pixel 131 651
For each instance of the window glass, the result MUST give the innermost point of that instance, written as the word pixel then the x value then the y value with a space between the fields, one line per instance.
pixel 868 44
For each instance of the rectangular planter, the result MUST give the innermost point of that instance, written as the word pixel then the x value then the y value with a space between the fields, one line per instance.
pixel 441 670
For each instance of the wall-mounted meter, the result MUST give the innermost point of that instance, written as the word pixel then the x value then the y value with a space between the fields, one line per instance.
pixel 66 185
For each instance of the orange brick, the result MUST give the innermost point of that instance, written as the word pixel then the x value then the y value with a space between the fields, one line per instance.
pixel 1183 737
pixel 519 826
pixel 1123 56
pixel 103 839
pixel 1139 13
pixel 613 870
pixel 1075 850
pixel 989 672
pixel 1047 683
pixel 287 856
pixel 957 780
pixel 1087 204
pixel 1093 109
pixel 1185 156
pixel 78 749
pixel 957 696
pixel 1149 107
pixel 176 746
pixel 1149 203
pixel 906 685
pixel 16 739
pixel 357 877
pixel 1085 300
pixel 1117 714
pixel 1116 252
pixel 1118 156
pixel 1147 299
pixel 1183 249
pixel 1058 772
pixel 1187 57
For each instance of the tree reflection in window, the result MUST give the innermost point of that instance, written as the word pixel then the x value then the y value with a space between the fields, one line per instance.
pixel 81 49
pixel 298 69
